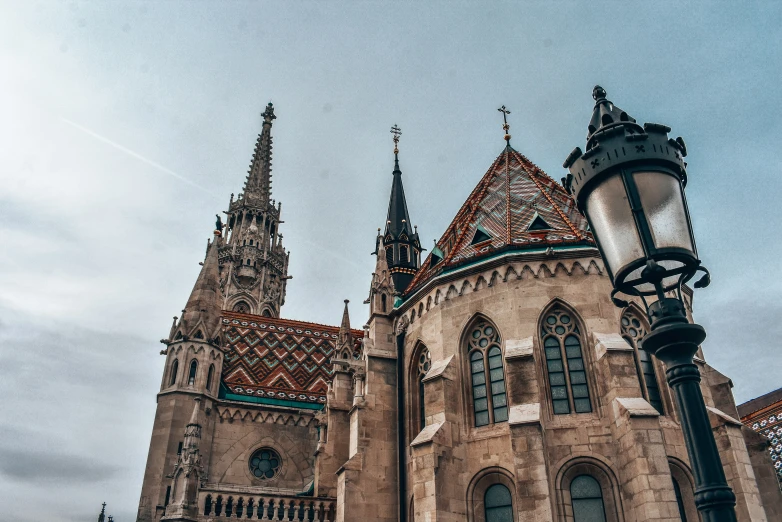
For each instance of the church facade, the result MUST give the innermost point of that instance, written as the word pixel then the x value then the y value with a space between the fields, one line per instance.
pixel 493 381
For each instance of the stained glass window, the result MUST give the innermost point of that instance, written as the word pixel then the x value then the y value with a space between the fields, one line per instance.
pixel 587 499
pixel 487 376
pixel 498 506
pixel 565 364
pixel 633 330
pixel 265 463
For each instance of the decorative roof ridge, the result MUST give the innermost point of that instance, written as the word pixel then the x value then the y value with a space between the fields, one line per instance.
pixel 288 322
pixel 537 171
pixel 477 193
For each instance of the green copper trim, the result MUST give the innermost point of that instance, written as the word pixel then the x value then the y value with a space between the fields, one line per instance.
pixel 274 402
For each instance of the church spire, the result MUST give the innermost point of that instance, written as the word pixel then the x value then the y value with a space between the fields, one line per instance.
pixel 253 261
pixel 345 337
pixel 259 178
pixel 201 316
pixel 403 249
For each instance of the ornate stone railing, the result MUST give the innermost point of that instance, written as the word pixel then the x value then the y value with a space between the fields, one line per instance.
pixel 218 504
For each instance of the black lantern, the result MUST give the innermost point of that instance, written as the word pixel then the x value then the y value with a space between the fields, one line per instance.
pixel 630 186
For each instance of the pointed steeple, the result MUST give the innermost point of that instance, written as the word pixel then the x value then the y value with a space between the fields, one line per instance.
pixel 344 328
pixel 259 178
pixel 400 237
pixel 102 516
pixel 193 428
pixel 204 307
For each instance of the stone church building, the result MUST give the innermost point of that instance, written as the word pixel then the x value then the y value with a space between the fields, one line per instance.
pixel 493 381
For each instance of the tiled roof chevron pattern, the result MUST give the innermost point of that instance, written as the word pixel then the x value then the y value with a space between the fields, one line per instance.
pixel 279 358
pixel 509 197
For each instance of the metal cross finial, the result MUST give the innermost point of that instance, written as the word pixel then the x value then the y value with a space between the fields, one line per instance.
pixel 505 125
pixel 396 131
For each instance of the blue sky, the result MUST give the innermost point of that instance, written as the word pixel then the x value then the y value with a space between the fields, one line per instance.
pixel 126 126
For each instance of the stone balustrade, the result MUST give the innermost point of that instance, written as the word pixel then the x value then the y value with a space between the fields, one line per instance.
pixel 219 505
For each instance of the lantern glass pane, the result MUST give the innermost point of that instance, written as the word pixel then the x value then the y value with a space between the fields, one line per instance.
pixel 612 223
pixel 663 204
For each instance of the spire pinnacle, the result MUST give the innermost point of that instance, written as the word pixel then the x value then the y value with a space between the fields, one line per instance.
pixel 505 125
pixel 344 328
pixel 397 132
pixel 257 187
pixel 204 307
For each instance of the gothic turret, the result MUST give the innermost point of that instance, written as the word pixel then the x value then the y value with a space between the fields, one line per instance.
pixel 253 262
pixel 345 345
pixel 188 473
pixel 402 246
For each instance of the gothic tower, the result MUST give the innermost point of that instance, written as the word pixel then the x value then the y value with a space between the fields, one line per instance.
pixel 194 363
pixel 402 247
pixel 253 262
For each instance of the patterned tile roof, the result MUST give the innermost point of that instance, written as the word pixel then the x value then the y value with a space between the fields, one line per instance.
pixel 514 206
pixel 279 358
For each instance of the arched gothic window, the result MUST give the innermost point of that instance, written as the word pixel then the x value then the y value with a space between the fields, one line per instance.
pixel 208 505
pixel 497 504
pixel 403 256
pixel 383 302
pixel 487 377
pixel 242 307
pixel 191 377
pixel 587 498
pixel 633 330
pixel 390 255
pixel 266 313
pixel 174 370
pixel 422 363
pixel 565 364
pixel 209 377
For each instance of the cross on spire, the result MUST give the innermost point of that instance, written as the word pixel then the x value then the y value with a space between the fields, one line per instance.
pixel 396 131
pixel 505 125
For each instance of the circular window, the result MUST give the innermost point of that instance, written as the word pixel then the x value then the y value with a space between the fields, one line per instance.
pixel 265 464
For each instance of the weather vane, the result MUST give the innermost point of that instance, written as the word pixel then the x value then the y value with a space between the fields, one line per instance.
pixel 396 131
pixel 505 125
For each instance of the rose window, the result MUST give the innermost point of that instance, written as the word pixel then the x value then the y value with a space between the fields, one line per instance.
pixel 265 464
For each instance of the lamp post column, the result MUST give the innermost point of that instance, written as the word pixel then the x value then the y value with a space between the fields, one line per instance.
pixel 675 341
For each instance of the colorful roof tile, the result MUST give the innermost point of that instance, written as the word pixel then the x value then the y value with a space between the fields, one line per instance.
pixel 280 358
pixel 511 205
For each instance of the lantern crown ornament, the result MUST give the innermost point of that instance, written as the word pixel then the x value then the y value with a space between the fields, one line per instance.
pixel 630 186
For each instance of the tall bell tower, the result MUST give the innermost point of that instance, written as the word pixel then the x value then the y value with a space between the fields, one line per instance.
pixel 253 262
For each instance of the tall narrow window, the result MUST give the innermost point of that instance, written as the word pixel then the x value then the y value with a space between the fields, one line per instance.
pixel 208 505
pixel 209 377
pixel 192 374
pixel 490 403
pixel 390 255
pixel 633 330
pixel 174 370
pixel 565 363
pixel 168 496
pixel 587 499
pixel 423 363
pixel 497 504
pixel 383 302
pixel 403 255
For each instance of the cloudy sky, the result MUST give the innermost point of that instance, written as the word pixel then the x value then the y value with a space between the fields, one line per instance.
pixel 124 127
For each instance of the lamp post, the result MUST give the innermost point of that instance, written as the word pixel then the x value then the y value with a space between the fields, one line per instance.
pixel 630 186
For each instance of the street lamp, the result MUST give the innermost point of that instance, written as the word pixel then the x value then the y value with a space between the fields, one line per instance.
pixel 630 186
